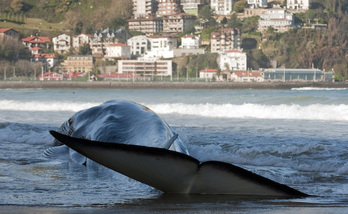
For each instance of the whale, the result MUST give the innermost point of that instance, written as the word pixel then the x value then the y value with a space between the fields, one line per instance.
pixel 116 121
pixel 131 139
pixel 177 173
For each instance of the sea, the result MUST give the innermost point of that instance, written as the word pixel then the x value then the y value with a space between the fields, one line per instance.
pixel 297 137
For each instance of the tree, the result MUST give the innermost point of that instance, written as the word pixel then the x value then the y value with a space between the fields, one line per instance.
pixel 234 22
pixel 239 6
pixel 78 28
pixel 85 50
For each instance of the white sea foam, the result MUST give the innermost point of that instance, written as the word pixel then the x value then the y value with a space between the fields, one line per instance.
pixel 258 111
pixel 228 110
pixel 318 89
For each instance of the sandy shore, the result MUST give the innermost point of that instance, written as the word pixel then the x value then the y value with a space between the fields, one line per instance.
pixel 166 85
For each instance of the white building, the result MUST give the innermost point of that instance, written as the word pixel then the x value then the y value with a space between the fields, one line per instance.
pixel 277 18
pixel 299 4
pixel 162 46
pixel 118 50
pixel 146 67
pixel 191 42
pixel 222 7
pixel 139 45
pixel 257 3
pixel 80 40
pixel 233 60
pixel 246 76
pixel 208 74
pixel 61 43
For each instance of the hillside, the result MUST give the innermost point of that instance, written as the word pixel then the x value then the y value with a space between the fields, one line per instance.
pixel 73 16
pixel 301 48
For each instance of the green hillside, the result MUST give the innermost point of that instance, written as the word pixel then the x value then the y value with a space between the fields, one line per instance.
pixel 301 48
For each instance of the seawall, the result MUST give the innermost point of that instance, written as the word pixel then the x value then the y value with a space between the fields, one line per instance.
pixel 165 85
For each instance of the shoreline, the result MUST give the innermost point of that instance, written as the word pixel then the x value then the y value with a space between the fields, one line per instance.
pixel 166 85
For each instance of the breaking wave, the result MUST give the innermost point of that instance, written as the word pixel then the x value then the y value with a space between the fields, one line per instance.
pixel 228 110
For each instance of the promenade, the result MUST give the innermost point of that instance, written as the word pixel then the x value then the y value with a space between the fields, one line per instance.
pixel 165 85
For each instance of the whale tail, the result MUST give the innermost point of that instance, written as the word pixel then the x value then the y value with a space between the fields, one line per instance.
pixel 174 172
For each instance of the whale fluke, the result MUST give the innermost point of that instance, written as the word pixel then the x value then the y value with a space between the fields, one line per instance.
pixel 174 172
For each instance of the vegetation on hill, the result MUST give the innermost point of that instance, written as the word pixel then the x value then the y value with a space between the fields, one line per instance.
pixel 299 48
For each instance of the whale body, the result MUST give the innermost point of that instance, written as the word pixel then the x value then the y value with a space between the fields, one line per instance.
pixel 117 121
pixel 132 140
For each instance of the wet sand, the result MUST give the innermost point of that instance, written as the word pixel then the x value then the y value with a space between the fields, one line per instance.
pixel 166 85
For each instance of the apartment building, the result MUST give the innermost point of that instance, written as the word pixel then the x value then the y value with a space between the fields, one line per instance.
pixel 145 67
pixel 222 7
pixel 299 4
pixel 162 45
pixel 78 64
pixel 148 24
pixel 225 39
pixel 257 3
pixel 142 8
pixel 278 18
pixel 177 23
pixel 233 60
pixel 139 45
pixel 168 7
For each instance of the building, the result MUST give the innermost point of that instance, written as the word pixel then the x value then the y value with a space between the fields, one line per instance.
pixel 191 42
pixel 142 8
pixel 8 34
pixel 36 41
pixel 168 7
pixel 61 43
pixel 278 18
pixel 139 45
pixel 105 37
pixel 177 23
pixel 162 45
pixel 298 4
pixel 246 76
pixel 78 64
pixel 47 60
pixel 191 6
pixel 225 39
pixel 233 60
pixel 146 67
pixel 257 3
pixel 148 25
pixel 49 76
pixel 208 74
pixel 222 7
pixel 80 40
pixel 118 50
pixel 291 74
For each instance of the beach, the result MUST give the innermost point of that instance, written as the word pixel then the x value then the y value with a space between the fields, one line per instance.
pixel 168 85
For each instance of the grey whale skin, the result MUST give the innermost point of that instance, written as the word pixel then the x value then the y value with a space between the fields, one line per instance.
pixel 165 166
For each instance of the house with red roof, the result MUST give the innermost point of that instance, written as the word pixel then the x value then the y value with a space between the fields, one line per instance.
pixel 36 41
pixel 8 33
pixel 246 76
pixel 49 76
pixel 48 60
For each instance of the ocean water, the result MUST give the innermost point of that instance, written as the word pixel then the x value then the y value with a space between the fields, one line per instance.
pixel 297 137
